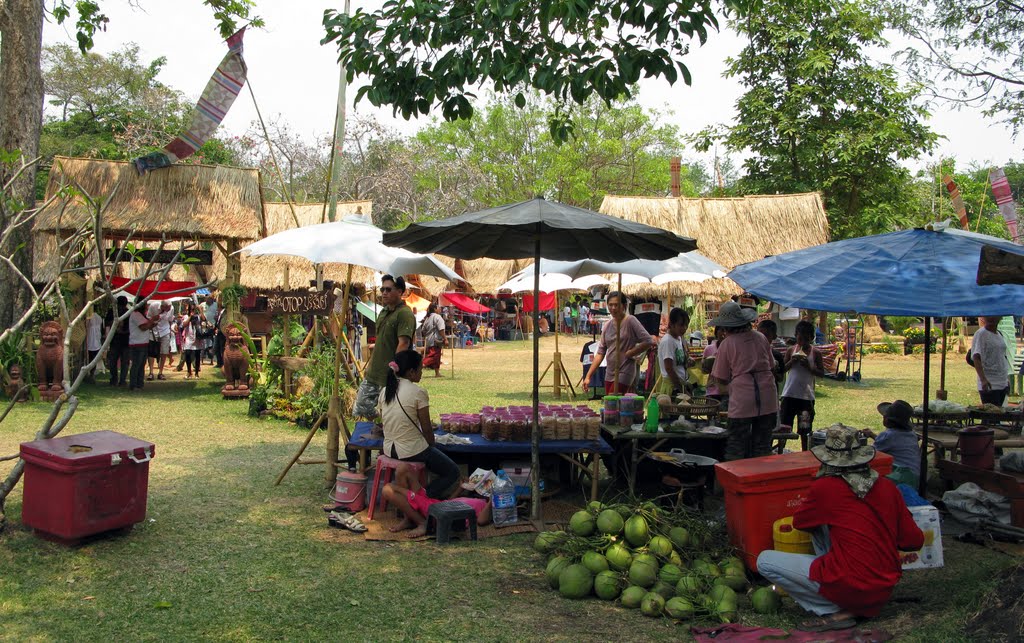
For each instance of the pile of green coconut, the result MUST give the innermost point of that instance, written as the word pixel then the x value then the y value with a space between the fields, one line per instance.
pixel 666 563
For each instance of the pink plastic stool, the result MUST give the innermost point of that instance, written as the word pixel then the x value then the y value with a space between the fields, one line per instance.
pixel 386 466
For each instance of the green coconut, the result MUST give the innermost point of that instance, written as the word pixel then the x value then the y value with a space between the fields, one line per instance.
pixel 733 561
pixel 689 585
pixel 575 581
pixel 679 536
pixel 610 522
pixel 679 608
pixel 705 568
pixel 595 507
pixel 595 562
pixel 582 523
pixel 643 573
pixel 731 578
pixel 660 546
pixel 554 570
pixel 676 560
pixel 644 556
pixel 632 596
pixel 547 541
pixel 725 609
pixel 722 592
pixel 765 600
pixel 652 604
pixel 670 574
pixel 624 510
pixel 636 531
pixel 618 557
pixel 667 590
pixel 607 585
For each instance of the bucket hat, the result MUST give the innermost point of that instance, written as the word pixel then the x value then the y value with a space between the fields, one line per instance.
pixel 899 412
pixel 732 315
pixel 842 449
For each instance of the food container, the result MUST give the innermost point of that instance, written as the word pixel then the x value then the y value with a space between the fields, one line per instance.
pixel 626 419
pixel 593 430
pixel 611 418
pixel 563 428
pixel 491 427
pixel 631 403
pixel 577 428
pixel 611 402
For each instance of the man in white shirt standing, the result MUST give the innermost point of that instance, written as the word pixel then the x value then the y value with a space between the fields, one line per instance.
pixel 988 355
pixel 162 333
pixel 139 327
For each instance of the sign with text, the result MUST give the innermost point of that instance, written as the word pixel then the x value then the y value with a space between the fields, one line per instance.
pixel 295 302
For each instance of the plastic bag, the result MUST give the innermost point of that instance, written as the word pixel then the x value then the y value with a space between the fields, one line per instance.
pixel 969 503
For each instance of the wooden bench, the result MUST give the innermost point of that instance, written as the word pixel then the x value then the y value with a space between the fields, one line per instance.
pixel 1007 484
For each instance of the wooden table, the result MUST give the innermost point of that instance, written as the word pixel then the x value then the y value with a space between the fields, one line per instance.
pixel 1011 420
pixel 651 442
pixel 947 444
pixel 1005 483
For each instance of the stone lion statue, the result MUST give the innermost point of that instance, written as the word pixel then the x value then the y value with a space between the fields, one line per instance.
pixel 50 359
pixel 236 363
pixel 15 380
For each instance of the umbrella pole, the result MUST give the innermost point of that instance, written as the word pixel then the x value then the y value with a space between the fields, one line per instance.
pixel 941 393
pixel 618 349
pixel 923 482
pixel 556 361
pixel 535 433
pixel 334 405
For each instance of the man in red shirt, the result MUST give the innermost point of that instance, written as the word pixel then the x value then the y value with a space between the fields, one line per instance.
pixel 858 523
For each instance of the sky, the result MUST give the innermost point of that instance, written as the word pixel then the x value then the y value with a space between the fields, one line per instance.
pixel 295 78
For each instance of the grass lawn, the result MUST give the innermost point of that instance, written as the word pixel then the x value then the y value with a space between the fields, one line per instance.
pixel 224 554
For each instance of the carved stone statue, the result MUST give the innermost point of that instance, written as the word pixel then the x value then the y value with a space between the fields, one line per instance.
pixel 15 381
pixel 236 364
pixel 50 361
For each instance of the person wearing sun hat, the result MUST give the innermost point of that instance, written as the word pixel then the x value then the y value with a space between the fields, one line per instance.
pixel 899 440
pixel 745 367
pixel 859 523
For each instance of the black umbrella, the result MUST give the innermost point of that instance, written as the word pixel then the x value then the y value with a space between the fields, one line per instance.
pixel 540 229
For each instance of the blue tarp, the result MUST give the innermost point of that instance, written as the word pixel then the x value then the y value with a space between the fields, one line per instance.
pixel 920 272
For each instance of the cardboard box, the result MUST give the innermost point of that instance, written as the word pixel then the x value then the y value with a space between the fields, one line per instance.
pixel 929 556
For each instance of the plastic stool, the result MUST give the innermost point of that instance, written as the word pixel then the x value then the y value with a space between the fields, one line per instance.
pixel 448 514
pixel 385 467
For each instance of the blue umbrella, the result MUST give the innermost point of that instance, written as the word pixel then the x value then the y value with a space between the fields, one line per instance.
pixel 930 272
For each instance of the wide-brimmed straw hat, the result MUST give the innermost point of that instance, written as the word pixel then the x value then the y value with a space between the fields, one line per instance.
pixel 842 449
pixel 732 315
pixel 899 412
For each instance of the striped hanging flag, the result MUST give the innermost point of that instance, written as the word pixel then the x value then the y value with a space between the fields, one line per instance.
pixel 1004 199
pixel 958 201
pixel 213 106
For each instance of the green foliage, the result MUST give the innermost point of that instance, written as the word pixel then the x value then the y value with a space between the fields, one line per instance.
pixel 968 53
pixel 17 348
pixel 918 333
pixel 899 325
pixel 818 114
pixel 232 294
pixel 419 55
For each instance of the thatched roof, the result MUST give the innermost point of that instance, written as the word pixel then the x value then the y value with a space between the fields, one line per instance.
pixel 730 231
pixel 199 202
pixel 268 272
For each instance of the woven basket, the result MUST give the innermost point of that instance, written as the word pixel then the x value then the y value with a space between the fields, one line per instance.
pixel 697 406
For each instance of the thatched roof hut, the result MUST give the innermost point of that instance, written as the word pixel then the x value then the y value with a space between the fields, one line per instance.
pixel 268 272
pixel 730 231
pixel 209 204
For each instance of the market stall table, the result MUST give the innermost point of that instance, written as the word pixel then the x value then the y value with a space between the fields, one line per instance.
pixel 651 442
pixel 946 445
pixel 1011 419
pixel 363 441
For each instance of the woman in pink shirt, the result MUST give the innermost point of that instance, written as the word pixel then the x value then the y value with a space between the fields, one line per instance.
pixel 621 346
pixel 744 367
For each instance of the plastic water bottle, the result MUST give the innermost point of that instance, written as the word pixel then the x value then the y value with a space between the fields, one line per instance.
pixel 653 416
pixel 503 501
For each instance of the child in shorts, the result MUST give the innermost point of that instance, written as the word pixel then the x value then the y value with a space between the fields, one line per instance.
pixel 407 494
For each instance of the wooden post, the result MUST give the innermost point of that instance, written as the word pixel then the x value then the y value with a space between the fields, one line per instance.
pixel 941 393
pixel 334 406
pixel 557 360
pixel 286 340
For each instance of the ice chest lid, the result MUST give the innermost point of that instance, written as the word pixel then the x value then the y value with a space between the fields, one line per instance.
pixel 801 464
pixel 88 450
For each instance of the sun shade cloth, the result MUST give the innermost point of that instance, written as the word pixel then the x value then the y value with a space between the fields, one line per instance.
pixel 547 302
pixel 463 303
pixel 367 310
pixel 167 289
pixel 916 272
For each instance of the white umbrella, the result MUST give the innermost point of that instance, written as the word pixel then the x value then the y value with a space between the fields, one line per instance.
pixel 522 281
pixel 688 266
pixel 351 242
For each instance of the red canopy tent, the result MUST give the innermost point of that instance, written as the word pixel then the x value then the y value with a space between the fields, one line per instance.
pixel 463 303
pixel 167 289
pixel 547 302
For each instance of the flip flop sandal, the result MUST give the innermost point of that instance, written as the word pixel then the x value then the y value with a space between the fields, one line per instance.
pixel 825 624
pixel 329 507
pixel 346 521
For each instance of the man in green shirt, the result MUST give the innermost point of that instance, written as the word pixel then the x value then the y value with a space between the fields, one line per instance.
pixel 396 325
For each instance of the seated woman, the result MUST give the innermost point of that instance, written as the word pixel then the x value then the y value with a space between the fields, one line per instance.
pixel 404 409
pixel 899 440
pixel 858 523
pixel 407 494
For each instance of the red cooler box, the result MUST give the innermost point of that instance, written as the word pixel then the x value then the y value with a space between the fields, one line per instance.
pixel 759 491
pixel 85 484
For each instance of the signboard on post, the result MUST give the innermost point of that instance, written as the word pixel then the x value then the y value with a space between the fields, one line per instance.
pixel 293 302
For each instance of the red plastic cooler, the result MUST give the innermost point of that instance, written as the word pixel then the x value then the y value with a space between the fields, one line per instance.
pixel 85 484
pixel 759 491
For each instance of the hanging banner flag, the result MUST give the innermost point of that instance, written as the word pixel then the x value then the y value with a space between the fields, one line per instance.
pixel 958 201
pixel 213 106
pixel 1004 199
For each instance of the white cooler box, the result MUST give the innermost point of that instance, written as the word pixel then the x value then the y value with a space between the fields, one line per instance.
pixel 929 556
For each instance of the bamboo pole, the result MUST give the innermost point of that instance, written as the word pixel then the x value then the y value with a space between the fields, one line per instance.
pixel 557 359
pixel 334 406
pixel 286 340
pixel 295 458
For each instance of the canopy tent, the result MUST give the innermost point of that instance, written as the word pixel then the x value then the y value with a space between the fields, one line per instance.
pixel 368 309
pixel 463 303
pixel 158 290
pixel 927 272
pixel 417 303
pixel 547 302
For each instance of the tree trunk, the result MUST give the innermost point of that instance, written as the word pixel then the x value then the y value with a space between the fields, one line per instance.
pixel 21 119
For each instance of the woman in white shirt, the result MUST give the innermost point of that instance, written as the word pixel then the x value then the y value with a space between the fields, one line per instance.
pixel 404 409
